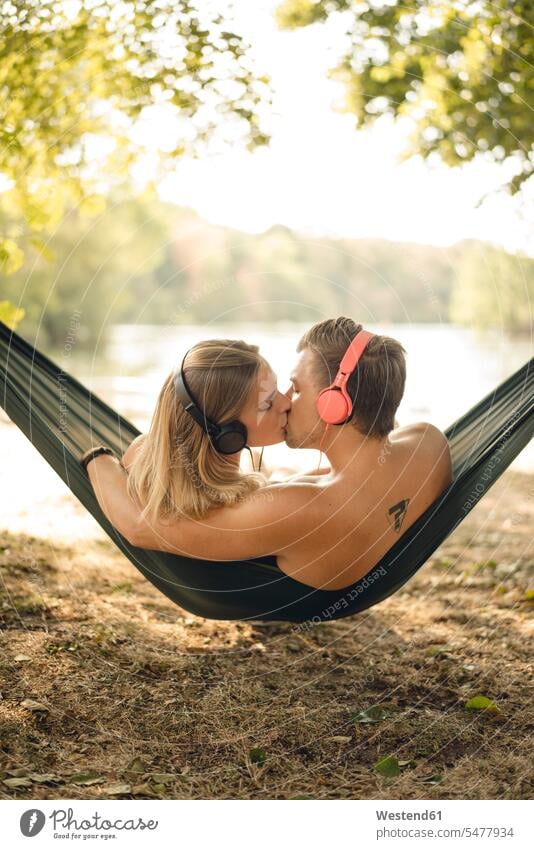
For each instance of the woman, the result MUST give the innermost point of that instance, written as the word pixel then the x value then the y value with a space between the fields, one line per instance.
pixel 222 398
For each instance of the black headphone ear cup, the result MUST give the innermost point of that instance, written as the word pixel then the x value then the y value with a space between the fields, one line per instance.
pixel 231 438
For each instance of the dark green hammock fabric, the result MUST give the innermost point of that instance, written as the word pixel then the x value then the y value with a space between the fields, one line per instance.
pixel 62 418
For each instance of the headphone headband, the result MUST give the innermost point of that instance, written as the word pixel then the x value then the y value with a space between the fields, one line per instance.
pixel 354 351
pixel 228 438
pixel 334 403
pixel 190 405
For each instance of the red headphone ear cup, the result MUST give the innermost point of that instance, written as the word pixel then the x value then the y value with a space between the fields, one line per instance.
pixel 332 406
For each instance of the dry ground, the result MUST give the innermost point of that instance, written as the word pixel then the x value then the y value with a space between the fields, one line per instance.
pixel 130 696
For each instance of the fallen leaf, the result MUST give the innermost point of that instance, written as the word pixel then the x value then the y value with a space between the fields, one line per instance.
pixel 137 766
pixel 17 782
pixel 388 767
pixel 439 650
pixel 45 778
pixel 22 658
pixel 340 739
pixel 376 713
pixel 116 790
pixel 162 777
pixel 87 778
pixel 31 704
pixel 432 779
pixel 482 703
pixel 143 790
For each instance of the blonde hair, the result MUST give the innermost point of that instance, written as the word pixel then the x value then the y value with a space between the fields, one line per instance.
pixel 177 472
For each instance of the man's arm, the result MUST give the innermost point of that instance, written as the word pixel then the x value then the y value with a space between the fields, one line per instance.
pixel 265 523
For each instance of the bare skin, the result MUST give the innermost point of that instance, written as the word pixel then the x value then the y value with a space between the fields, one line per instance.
pixel 326 529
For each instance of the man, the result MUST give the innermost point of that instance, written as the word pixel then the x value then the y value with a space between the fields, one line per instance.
pixel 329 528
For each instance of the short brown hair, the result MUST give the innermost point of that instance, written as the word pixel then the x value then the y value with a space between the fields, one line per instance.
pixel 377 384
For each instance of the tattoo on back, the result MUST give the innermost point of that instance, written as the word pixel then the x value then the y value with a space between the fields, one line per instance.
pixel 397 513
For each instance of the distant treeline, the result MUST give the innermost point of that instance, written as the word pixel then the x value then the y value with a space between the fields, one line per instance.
pixel 152 263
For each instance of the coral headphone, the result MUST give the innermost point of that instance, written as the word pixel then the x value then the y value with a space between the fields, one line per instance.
pixel 334 403
pixel 226 438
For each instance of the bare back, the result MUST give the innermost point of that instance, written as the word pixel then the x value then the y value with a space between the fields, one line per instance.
pixel 355 518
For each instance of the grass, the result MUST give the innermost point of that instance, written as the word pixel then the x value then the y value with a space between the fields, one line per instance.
pixel 110 691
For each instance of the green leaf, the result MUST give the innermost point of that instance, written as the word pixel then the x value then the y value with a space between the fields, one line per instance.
pixel 481 703
pixel 11 256
pixel 529 595
pixel 388 767
pixel 257 756
pixel 10 314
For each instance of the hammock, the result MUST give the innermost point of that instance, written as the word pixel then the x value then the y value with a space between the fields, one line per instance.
pixel 62 418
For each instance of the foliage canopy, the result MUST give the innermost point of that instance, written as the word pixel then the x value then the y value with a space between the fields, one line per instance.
pixel 461 70
pixel 75 77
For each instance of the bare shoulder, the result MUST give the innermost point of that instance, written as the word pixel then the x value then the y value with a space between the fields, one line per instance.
pixel 132 450
pixel 431 442
pixel 279 500
pixel 432 433
pixel 421 433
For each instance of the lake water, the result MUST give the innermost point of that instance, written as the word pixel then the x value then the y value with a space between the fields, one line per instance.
pixel 448 370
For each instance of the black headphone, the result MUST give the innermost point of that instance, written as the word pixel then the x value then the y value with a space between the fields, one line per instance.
pixel 227 438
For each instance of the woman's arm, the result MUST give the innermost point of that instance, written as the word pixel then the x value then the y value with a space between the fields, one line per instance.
pixel 265 523
pixel 108 478
pixel 109 483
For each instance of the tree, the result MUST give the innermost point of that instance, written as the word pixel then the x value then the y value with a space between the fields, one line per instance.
pixel 75 77
pixel 458 69
pixel 99 269
pixel 493 290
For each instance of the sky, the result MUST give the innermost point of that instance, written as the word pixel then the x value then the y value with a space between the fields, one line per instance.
pixel 322 177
